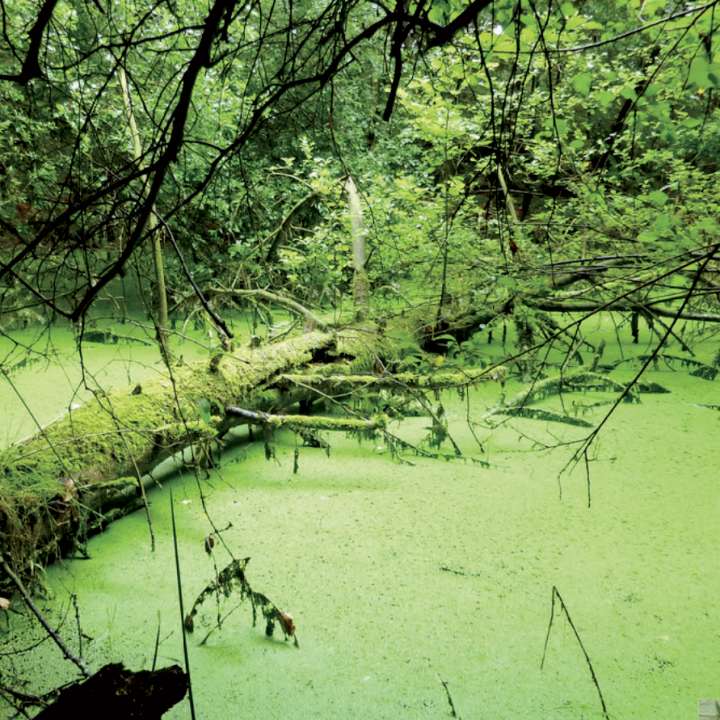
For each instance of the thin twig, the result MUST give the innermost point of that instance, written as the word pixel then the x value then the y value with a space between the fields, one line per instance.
pixel 556 595
pixel 180 602
pixel 217 320
pixel 453 711
pixel 78 662
pixel 157 644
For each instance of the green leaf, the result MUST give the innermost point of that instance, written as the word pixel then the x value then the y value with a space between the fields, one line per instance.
pixel 647 236
pixel 204 410
pixel 708 225
pixel 662 224
pixel 604 98
pixel 439 11
pixel 699 72
pixel 582 82
pixel 528 36
pixel 574 22
pixel 714 74
pixel 657 198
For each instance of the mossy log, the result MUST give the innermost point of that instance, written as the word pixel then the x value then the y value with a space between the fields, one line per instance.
pixel 80 472
pixel 92 460
pixel 413 381
pixel 309 422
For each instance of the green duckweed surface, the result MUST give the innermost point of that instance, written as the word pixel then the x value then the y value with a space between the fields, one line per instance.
pixel 402 576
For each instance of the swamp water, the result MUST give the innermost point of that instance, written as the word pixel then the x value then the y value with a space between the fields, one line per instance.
pixel 401 577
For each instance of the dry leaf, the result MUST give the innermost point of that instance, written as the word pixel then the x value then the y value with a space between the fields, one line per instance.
pixel 287 623
pixel 70 489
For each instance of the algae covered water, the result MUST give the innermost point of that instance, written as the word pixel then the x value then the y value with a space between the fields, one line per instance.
pixel 415 584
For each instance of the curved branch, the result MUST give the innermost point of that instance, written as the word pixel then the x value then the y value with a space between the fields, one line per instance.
pixel 570 307
pixel 287 302
pixel 31 65
pixel 78 662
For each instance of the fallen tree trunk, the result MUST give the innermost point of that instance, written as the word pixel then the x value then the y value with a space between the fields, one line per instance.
pixel 77 473
pixel 85 469
pixel 57 483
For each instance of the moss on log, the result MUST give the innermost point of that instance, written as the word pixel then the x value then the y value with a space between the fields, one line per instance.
pixel 415 381
pixel 83 470
pixel 310 422
pixel 87 461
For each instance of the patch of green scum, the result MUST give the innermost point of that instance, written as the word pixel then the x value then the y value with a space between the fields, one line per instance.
pixel 396 574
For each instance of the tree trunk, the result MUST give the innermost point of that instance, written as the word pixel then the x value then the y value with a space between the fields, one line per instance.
pixel 163 322
pixel 81 471
pixel 62 483
pixel 360 280
pixel 57 484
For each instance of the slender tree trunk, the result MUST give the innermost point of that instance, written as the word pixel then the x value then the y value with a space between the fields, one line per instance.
pixel 152 224
pixel 361 294
pixel 513 219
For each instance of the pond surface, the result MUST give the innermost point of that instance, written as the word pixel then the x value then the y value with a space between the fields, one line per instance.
pixel 402 577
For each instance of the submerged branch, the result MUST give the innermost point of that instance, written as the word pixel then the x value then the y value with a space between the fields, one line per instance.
pixel 557 597
pixel 571 307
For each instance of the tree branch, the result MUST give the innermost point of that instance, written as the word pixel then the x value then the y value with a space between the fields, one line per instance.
pixel 78 662
pixel 287 302
pixel 31 65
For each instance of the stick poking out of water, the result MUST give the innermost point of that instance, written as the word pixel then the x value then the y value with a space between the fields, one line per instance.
pixel 556 596
pixel 180 602
pixel 451 703
pixel 78 662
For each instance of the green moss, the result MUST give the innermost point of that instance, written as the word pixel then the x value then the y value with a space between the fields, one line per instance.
pixel 438 380
pixel 327 423
pixel 126 432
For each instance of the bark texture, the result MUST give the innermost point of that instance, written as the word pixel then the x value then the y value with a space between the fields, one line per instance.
pixel 66 477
